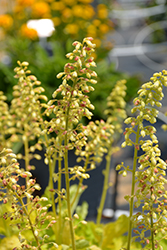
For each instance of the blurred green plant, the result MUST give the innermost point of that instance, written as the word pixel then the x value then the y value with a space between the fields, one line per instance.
pixel 72 20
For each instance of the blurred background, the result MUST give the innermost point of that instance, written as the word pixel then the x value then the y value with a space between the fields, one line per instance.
pixel 130 37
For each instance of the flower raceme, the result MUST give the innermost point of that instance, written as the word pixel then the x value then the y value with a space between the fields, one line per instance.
pixel 6 124
pixel 148 177
pixel 150 95
pixel 76 84
pixel 116 106
pixel 22 214
pixel 99 135
pixel 90 142
pixel 26 110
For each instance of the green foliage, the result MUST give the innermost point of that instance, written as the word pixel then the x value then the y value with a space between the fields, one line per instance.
pixel 47 67
pixel 109 236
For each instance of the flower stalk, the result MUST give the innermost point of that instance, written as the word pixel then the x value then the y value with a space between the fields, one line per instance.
pixel 148 167
pixel 130 226
pixel 115 114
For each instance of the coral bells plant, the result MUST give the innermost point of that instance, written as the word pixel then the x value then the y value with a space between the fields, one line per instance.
pixel 148 173
pixel 59 133
pixel 55 220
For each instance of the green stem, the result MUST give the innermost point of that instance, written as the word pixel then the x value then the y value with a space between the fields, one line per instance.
pixel 80 182
pixel 52 165
pixel 67 176
pixel 133 189
pixel 105 187
pixel 59 191
pixel 26 152
pixel 28 219
pixel 68 195
pixel 152 235
pixel 51 171
pixel 152 231
pixel 51 186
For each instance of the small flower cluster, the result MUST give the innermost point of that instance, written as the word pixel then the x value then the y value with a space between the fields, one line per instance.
pixel 23 215
pixel 116 106
pixel 99 134
pixel 74 105
pixel 25 107
pixel 6 123
pixel 150 192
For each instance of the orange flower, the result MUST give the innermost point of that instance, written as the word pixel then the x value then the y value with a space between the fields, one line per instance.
pixel 29 32
pixel 6 21
pixel 104 28
pixel 72 29
pixel 25 3
pixel 57 6
pixel 86 1
pixel 41 10
pixel 102 11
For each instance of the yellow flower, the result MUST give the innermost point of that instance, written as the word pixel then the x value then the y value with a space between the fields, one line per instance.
pixel 41 10
pixel 94 55
pixel 97 42
pixel 88 12
pixel 56 21
pixel 77 10
pixel 72 28
pixel 6 21
pixel 92 31
pixel 96 22
pixel 57 6
pixel 25 3
pixel 104 28
pixel 85 1
pixel 28 32
pixel 66 13
pixel 102 11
